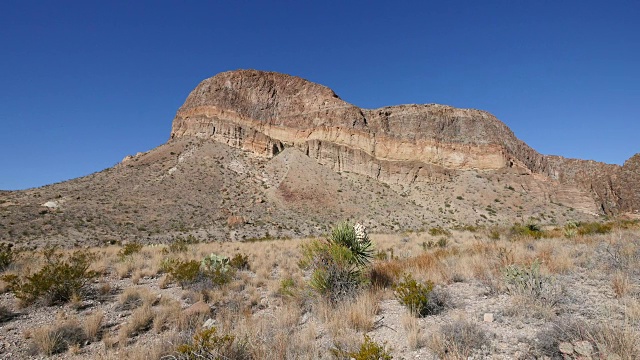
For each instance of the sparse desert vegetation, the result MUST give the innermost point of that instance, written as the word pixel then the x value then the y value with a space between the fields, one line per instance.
pixel 522 294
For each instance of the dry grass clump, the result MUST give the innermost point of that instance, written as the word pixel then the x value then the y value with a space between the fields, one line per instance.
pixel 187 320
pixel 49 340
pixel 527 307
pixel 133 298
pixel 622 252
pixel 534 294
pixel 459 340
pixel 130 260
pixel 168 315
pixel 125 267
pixel 92 325
pixel 621 284
pixel 427 261
pixel 273 334
pixel 631 308
pixel 555 256
pixel 139 321
pixel 360 313
pixel 162 348
pixel 415 339
pixel 567 336
pixel 383 274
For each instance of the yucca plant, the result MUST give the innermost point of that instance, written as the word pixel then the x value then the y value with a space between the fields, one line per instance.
pixel 355 239
pixel 338 262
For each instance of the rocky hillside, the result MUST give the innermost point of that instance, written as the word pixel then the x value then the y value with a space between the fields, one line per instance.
pixel 258 155
pixel 264 112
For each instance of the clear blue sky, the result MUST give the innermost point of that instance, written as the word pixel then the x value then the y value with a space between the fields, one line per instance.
pixel 84 83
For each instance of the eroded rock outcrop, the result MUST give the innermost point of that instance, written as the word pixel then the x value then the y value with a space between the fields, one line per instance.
pixel 628 185
pixel 264 112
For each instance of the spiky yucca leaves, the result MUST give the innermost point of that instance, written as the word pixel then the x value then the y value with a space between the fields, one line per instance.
pixel 338 262
pixel 354 238
pixel 334 276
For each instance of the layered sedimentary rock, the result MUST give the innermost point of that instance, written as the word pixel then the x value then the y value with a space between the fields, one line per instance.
pixel 264 112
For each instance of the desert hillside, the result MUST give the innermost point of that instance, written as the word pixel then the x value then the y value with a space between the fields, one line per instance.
pixel 257 155
pixel 281 222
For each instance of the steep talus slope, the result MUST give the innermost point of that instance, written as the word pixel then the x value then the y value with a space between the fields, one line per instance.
pixel 265 112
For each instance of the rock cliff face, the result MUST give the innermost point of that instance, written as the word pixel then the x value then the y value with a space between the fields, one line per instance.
pixel 264 112
pixel 628 185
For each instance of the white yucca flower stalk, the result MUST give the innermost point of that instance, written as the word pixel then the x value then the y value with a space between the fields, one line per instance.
pixel 361 232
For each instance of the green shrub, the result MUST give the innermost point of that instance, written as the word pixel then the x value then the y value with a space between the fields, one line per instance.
pixel 334 275
pixel 594 228
pixel 494 234
pixel 338 263
pixel 178 246
pixel 129 249
pixel 442 242
pixel 570 229
pixel 208 344
pixel 57 281
pixel 288 287
pixel 240 262
pixel 183 272
pixel 438 231
pixel 213 270
pixel 7 256
pixel 219 275
pixel 420 299
pixel 369 350
pixel 529 230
